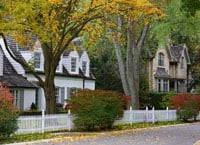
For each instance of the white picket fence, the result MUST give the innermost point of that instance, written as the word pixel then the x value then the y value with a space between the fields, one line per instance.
pixel 43 123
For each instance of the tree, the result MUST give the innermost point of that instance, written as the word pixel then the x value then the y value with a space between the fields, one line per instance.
pixel 180 27
pixel 56 23
pixel 190 6
pixel 128 39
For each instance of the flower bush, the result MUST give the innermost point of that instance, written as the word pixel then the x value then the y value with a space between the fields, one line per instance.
pixel 187 105
pixel 96 109
pixel 8 112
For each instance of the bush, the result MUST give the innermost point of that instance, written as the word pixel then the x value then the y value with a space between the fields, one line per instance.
pixel 187 105
pixel 8 113
pixel 154 99
pixel 96 109
pixel 33 106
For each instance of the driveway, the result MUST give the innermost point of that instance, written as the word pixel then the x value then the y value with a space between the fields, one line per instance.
pixel 186 134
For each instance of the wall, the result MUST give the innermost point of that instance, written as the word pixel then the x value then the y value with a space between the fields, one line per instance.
pixel 29 97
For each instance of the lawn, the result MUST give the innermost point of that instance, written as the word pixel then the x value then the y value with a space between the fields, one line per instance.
pixel 75 134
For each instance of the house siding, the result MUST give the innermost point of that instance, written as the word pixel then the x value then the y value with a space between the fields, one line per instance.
pixel 67 62
pixel 29 98
pixel 17 66
pixel 85 57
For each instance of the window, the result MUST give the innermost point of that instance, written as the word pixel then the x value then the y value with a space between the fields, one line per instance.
pixel 160 59
pixel 162 85
pixel 182 62
pixel 16 95
pixel 37 56
pixel 165 86
pixel 84 67
pixel 159 85
pixel 73 64
pixel 57 94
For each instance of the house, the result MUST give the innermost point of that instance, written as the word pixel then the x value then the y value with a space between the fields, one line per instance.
pixel 72 72
pixel 169 69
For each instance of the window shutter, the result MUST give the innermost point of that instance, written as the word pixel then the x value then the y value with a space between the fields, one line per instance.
pixel 68 92
pixel 21 107
pixel 62 95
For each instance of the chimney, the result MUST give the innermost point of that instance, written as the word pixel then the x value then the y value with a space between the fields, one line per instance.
pixel 1 62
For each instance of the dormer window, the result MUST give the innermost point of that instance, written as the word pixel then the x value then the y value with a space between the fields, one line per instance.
pixel 37 59
pixel 73 64
pixel 84 67
pixel 160 59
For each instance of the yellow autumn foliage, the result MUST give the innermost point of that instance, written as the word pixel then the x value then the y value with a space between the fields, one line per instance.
pixel 59 20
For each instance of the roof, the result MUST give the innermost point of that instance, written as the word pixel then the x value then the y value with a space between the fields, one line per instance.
pixel 161 73
pixel 16 48
pixel 176 52
pixel 11 78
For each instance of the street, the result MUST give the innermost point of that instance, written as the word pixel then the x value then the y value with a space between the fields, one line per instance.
pixel 186 134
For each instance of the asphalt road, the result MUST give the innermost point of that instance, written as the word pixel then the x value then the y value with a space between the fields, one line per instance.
pixel 186 134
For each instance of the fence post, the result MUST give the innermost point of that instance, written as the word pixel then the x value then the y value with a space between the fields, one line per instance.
pixel 167 109
pixel 69 119
pixel 131 115
pixel 153 115
pixel 146 113
pixel 43 121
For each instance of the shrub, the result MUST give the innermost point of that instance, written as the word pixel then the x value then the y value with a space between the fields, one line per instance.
pixel 96 109
pixel 33 106
pixel 158 100
pixel 187 105
pixel 8 113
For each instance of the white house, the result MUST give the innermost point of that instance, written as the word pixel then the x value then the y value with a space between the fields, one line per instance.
pixel 72 72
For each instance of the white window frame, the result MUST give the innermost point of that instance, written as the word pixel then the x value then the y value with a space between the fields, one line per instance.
pixel 16 100
pixel 159 85
pixel 162 85
pixel 161 58
pixel 73 64
pixel 37 60
pixel 165 85
pixel 84 66
pixel 57 94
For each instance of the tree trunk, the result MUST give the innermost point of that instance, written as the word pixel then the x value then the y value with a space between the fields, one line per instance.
pixel 130 71
pixel 49 91
pixel 50 64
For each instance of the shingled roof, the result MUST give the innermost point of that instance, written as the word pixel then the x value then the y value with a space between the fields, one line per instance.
pixel 176 52
pixel 16 48
pixel 161 73
pixel 10 77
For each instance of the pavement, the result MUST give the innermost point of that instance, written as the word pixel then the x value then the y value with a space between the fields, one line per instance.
pixel 145 133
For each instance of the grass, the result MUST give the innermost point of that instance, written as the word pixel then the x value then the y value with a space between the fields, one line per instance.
pixel 48 135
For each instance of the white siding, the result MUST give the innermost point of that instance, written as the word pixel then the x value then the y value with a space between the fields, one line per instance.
pixel 85 57
pixel 1 63
pixel 27 55
pixel 29 98
pixel 17 66
pixel 64 82
pixel 67 62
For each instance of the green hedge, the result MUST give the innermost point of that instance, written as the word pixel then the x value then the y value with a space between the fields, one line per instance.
pixel 158 100
pixel 96 109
